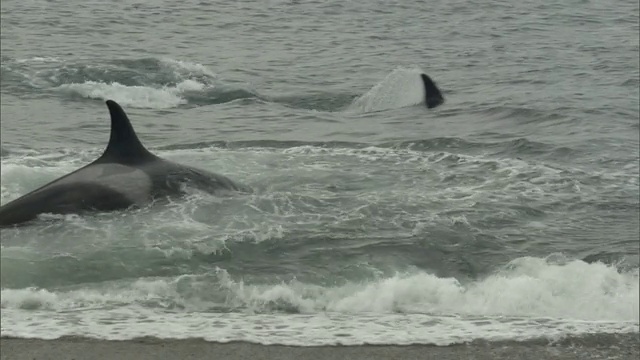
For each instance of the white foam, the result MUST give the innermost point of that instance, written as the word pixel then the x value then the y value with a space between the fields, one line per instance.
pixel 135 96
pixel 188 67
pixel 401 88
pixel 295 330
pixel 38 59
pixel 529 298
pixel 528 287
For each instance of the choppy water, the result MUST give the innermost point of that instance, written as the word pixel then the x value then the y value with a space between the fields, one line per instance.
pixel 511 212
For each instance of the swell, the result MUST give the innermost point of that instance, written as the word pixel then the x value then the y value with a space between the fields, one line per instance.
pixel 145 83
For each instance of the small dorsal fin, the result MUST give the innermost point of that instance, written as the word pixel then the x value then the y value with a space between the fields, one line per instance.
pixel 124 145
pixel 433 97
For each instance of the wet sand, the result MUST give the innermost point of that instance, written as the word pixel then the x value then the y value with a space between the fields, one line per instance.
pixel 587 347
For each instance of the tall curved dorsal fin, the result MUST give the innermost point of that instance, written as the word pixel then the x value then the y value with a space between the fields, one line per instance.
pixel 432 95
pixel 124 145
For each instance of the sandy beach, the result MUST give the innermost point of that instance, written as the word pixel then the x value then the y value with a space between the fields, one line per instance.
pixel 68 348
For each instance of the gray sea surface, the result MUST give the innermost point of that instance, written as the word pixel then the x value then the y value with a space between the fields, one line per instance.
pixel 511 212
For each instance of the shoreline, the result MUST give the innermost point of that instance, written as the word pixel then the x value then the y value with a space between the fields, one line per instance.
pixel 594 346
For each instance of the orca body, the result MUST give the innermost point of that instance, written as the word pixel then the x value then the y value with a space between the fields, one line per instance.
pixel 126 175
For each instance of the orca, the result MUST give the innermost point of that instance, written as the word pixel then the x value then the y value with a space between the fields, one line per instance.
pixel 432 95
pixel 125 175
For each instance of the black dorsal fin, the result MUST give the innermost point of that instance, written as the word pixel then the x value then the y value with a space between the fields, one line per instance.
pixel 433 97
pixel 124 145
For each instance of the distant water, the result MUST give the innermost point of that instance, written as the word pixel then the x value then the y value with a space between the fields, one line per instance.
pixel 509 213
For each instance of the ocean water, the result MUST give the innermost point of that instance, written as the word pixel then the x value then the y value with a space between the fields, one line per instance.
pixel 509 213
